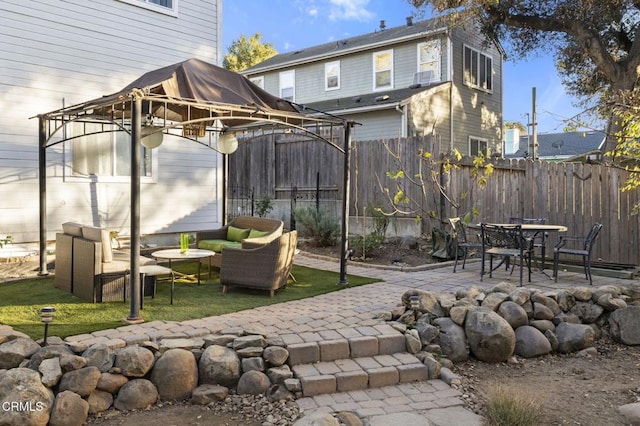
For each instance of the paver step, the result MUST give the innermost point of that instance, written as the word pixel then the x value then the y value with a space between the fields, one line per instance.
pixel 357 346
pixel 349 374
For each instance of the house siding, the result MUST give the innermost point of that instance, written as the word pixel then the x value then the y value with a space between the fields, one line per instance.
pixel 56 53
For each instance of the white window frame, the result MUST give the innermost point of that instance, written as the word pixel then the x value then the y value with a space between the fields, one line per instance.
pixel 151 5
pixel 478 141
pixel 377 70
pixel 478 73
pixel 434 64
pixel 258 81
pixel 74 176
pixel 332 70
pixel 287 80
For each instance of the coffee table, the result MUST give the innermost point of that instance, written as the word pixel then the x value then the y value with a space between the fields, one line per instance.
pixel 191 254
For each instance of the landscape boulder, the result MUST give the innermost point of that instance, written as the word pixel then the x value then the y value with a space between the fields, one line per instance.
pixel 490 337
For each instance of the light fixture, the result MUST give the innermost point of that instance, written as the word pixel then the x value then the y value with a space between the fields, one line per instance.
pixel 414 302
pixel 150 136
pixel 227 143
pixel 46 316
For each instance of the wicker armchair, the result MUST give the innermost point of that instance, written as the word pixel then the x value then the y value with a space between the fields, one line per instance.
pixel 263 267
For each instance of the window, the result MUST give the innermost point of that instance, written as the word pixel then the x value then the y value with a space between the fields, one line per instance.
pixel 105 154
pixel 477 69
pixel 478 146
pixel 287 85
pixel 164 3
pixel 428 62
pixel 332 75
pixel 383 70
pixel 258 81
pixel 167 7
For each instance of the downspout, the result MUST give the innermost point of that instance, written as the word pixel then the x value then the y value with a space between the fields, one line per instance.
pixel 134 276
pixel 451 75
pixel 403 120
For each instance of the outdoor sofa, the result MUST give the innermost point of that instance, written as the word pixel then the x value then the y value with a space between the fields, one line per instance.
pixel 256 230
pixel 88 267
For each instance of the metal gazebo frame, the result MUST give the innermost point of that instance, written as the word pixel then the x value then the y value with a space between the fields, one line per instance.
pixel 129 111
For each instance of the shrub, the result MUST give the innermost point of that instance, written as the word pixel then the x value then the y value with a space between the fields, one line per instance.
pixel 319 225
pixel 510 407
pixel 264 205
pixel 371 243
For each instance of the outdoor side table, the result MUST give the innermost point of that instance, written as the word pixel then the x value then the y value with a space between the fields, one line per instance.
pixel 191 254
pixel 154 271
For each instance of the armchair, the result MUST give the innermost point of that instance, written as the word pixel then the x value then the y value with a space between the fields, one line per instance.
pixel 463 245
pixel 259 266
pixel 579 246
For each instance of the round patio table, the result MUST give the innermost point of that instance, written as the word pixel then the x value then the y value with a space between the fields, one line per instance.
pixel 190 254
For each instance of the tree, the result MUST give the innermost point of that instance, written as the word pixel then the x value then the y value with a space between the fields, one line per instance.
pixel 247 52
pixel 596 49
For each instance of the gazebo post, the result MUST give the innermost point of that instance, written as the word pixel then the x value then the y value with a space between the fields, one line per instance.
pixel 344 241
pixel 134 277
pixel 42 182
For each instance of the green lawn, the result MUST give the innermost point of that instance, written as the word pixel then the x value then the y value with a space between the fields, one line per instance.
pixel 20 301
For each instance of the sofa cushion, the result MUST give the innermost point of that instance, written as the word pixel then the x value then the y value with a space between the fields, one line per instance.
pixel 237 234
pixel 218 245
pixel 100 235
pixel 72 228
pixel 254 233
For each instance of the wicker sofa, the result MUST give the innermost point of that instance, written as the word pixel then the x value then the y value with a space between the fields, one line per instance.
pixel 257 230
pixel 87 266
pixel 259 266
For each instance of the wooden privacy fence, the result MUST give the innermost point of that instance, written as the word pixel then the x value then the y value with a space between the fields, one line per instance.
pixel 572 194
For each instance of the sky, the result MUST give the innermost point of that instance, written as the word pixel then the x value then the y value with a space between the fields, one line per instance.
pixel 297 24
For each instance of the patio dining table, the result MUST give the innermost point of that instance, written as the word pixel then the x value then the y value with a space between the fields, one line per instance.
pixel 529 228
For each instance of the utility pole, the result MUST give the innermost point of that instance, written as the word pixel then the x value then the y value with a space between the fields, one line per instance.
pixel 533 143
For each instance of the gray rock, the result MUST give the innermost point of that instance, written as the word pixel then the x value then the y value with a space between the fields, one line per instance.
pixel 543 325
pixel 99 401
pixel 531 342
pixel 111 383
pixel 625 325
pixel 175 374
pixel 631 412
pixel 426 332
pixel 253 383
pixel 542 312
pixel 458 313
pixel 318 418
pixel 412 341
pixel 70 362
pixel 610 303
pixel 219 365
pixel 293 385
pixel 82 382
pixel 254 363
pixel 587 312
pixel 51 371
pixel 13 352
pixel 452 340
pixel 182 343
pixel 206 394
pixel 520 295
pixel 101 356
pixel 541 299
pixel 566 300
pixel 490 337
pixel 581 293
pixel 56 351
pixel 279 392
pixel 347 418
pixel 449 377
pixel 136 394
pixel 69 409
pixel 23 385
pixel 574 337
pixel 279 374
pixel 134 361
pixel 433 367
pixel 249 352
pixel 494 300
pixel 248 341
pixel 275 355
pixel 513 313
pixel 503 287
pixel 221 340
pixel 427 302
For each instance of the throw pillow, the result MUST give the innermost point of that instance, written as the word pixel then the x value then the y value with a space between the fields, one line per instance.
pixel 237 234
pixel 257 234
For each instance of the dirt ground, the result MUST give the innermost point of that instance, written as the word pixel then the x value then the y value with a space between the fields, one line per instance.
pixel 571 389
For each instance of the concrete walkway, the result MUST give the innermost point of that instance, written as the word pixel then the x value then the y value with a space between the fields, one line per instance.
pixel 348 313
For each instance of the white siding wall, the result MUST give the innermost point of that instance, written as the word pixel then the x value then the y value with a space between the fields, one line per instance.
pixel 76 50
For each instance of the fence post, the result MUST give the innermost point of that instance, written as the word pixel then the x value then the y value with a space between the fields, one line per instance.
pixel 294 196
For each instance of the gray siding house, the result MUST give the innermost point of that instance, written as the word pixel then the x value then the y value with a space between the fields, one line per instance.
pixel 556 146
pixel 60 53
pixel 417 79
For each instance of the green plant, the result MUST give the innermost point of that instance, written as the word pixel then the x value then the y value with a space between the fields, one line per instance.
pixel 511 407
pixel 6 240
pixel 263 206
pixel 319 225
pixel 368 244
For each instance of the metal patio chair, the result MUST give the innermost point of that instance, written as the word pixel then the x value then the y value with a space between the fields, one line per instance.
pixel 538 239
pixel 462 243
pixel 505 242
pixel 577 246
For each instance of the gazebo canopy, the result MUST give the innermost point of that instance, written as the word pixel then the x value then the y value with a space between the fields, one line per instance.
pixel 201 99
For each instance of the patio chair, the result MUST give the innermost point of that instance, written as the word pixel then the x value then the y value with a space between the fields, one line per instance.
pixel 505 242
pixel 576 246
pixel 538 239
pixel 462 244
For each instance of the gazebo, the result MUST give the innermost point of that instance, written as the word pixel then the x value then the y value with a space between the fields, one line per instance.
pixel 199 102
